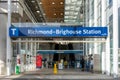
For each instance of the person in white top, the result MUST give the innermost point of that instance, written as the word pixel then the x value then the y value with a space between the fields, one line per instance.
pixel 91 64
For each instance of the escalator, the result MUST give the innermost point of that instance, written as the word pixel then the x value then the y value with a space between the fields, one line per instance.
pixel 56 55
pixel 70 57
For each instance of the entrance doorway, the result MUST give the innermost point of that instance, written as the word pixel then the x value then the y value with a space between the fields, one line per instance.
pixel 52 52
pixel 65 56
pixel 69 58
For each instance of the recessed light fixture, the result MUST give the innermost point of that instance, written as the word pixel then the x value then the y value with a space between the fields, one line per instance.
pixel 61 2
pixel 61 13
pixel 40 2
pixel 32 1
pixel 54 13
pixel 38 11
pixel 44 14
pixel 53 2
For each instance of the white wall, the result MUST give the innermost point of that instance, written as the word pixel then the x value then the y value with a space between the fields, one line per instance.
pixel 3 25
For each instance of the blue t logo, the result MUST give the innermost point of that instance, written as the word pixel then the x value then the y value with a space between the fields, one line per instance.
pixel 13 32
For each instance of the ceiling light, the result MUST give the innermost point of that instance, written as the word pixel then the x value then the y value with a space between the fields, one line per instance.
pixel 32 1
pixel 54 13
pixel 61 2
pixel 38 11
pixel 40 2
pixel 61 13
pixel 53 2
pixel 44 14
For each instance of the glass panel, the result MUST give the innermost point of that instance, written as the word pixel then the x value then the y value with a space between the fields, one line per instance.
pixel 66 13
pixel 119 59
pixel 66 17
pixel 67 7
pixel 72 7
pixel 119 65
pixel 110 1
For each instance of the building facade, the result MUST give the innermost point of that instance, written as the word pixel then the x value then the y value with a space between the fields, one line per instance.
pixel 105 13
pixel 96 13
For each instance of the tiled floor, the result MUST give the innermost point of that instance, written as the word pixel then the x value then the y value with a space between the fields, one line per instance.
pixel 66 74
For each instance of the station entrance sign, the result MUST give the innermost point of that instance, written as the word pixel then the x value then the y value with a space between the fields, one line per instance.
pixel 63 31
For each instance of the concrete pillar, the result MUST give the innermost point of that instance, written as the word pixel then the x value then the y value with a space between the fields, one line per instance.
pixel 35 54
pixel 86 48
pixel 115 38
pixel 26 52
pixel 8 50
pixel 86 13
pixel 3 25
pixel 95 23
pixel 105 56
pixel 96 54
pixel 90 23
pixel 90 12
pixel 103 62
pixel 31 58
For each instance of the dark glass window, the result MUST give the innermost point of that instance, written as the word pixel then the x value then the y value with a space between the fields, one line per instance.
pixel 110 1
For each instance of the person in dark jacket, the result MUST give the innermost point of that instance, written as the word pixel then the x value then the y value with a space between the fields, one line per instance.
pixel 82 62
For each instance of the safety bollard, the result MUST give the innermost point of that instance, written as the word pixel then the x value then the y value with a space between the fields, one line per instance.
pixel 55 69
